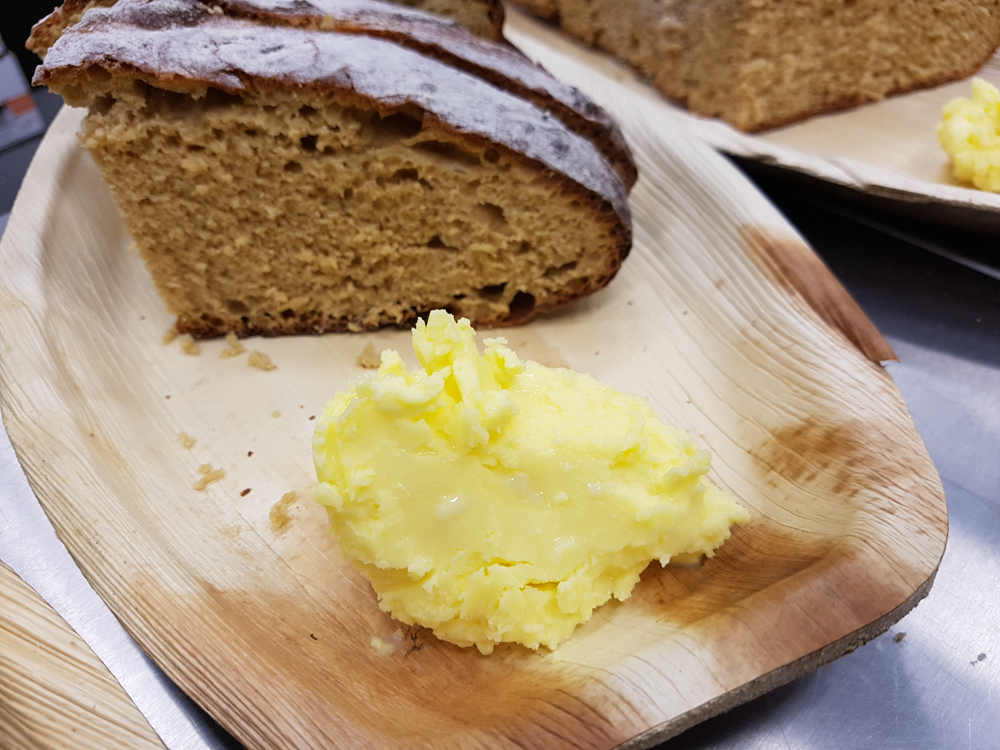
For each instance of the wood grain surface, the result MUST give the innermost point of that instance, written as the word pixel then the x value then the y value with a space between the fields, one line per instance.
pixel 55 693
pixel 239 592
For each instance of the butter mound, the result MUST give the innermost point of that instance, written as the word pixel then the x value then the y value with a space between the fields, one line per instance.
pixel 495 500
pixel 970 135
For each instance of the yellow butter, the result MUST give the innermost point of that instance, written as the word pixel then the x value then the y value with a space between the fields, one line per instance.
pixel 494 500
pixel 970 134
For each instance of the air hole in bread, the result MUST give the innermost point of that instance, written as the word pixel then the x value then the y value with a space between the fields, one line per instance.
pixel 492 216
pixel 348 194
pixel 521 306
pixel 394 128
pixel 307 111
pixel 104 104
pixel 406 174
pixel 288 314
pixel 236 307
pixel 436 241
pixel 449 151
pixel 216 98
pixel 493 291
pixel 293 167
pixel 491 155
pixel 555 272
pixel 308 142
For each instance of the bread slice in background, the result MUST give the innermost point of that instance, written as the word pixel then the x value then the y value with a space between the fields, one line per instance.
pixel 500 64
pixel 288 180
pixel 759 64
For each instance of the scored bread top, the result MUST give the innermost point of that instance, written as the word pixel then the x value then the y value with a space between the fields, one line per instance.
pixel 183 46
pixel 432 35
pixel 502 65
pixel 487 20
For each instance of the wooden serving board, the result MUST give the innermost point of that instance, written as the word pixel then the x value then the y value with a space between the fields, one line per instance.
pixel 885 151
pixel 54 691
pixel 722 316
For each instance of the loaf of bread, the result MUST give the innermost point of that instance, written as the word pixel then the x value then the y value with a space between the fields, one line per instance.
pixel 763 63
pixel 483 18
pixel 281 179
pixel 502 65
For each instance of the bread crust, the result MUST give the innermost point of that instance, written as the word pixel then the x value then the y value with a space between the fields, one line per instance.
pixel 47 31
pixel 433 36
pixel 86 58
pixel 503 66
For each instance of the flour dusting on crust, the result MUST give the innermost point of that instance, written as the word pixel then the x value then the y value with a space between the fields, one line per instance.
pixel 180 44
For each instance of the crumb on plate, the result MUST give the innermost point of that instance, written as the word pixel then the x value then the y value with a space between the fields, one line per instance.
pixel 279 512
pixel 188 346
pixel 370 358
pixel 208 475
pixel 261 361
pixel 233 347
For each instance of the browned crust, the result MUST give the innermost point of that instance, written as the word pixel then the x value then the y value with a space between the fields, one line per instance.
pixel 69 76
pixel 538 10
pixel 46 32
pixel 609 142
pixel 497 15
pixel 615 219
pixel 606 137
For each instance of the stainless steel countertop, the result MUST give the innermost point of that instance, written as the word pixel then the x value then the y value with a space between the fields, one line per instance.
pixel 932 682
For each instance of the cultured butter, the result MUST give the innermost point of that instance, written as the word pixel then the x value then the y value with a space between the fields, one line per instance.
pixel 495 500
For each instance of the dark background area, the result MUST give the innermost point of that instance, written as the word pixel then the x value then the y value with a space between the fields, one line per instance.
pixel 16 19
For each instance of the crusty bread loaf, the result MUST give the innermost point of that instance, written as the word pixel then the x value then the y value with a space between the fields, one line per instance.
pixel 500 64
pixel 763 63
pixel 484 18
pixel 284 179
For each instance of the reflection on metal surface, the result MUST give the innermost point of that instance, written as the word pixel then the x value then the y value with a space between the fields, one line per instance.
pixel 933 681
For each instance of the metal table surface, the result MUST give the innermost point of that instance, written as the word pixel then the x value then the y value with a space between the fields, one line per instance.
pixel 932 682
